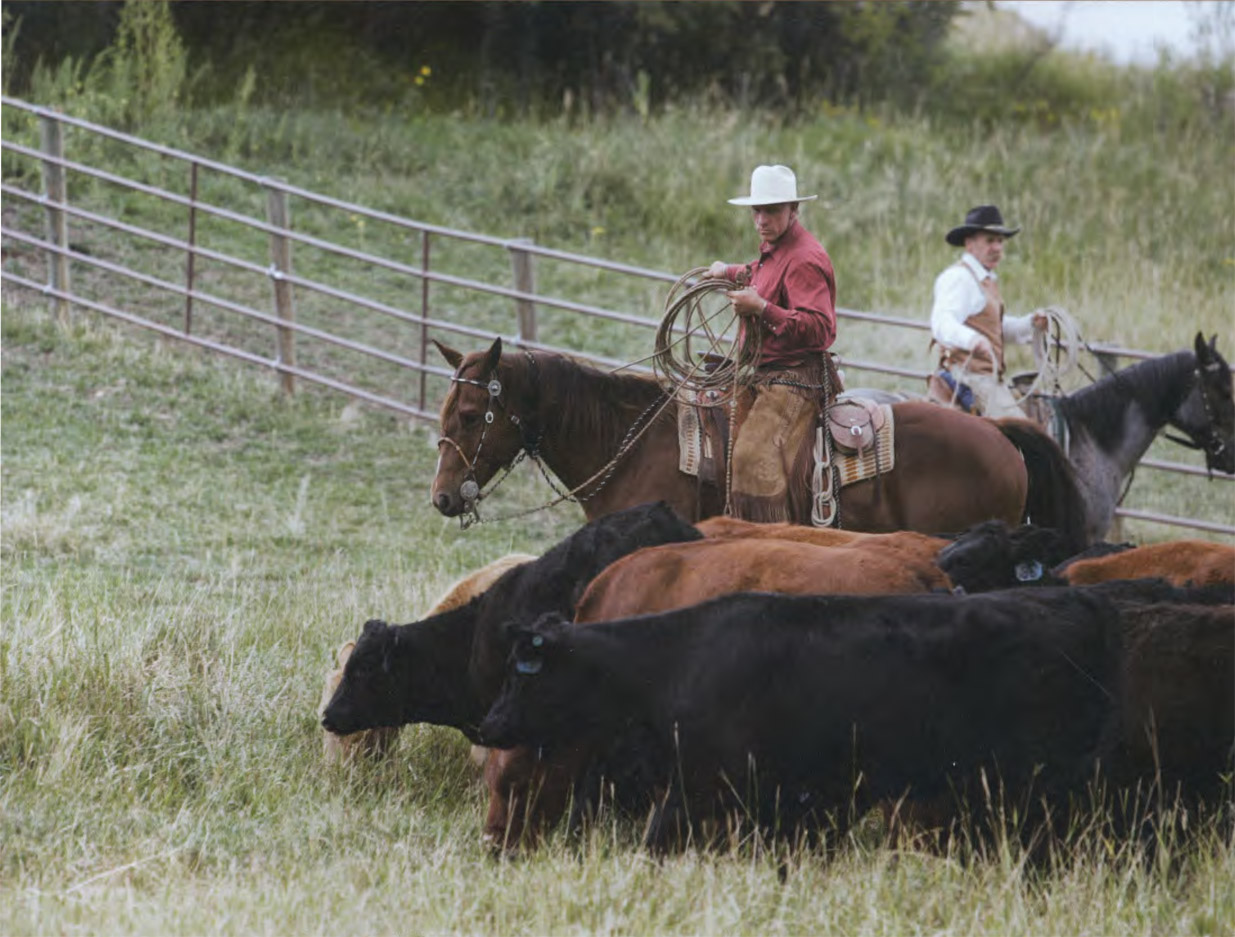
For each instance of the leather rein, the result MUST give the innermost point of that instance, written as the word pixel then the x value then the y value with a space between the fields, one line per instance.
pixel 469 489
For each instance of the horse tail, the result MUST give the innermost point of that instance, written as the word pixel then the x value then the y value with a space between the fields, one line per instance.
pixel 1054 498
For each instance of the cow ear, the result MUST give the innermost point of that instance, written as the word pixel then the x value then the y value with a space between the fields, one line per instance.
pixel 1201 349
pixel 374 627
pixel 453 358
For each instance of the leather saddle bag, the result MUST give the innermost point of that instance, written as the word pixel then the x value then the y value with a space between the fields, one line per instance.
pixel 854 423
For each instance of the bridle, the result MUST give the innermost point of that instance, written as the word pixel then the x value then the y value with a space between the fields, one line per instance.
pixel 1205 439
pixel 469 488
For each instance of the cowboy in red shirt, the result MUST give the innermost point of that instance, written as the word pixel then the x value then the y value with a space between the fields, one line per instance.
pixel 791 297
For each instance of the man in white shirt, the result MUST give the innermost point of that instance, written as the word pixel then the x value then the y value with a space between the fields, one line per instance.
pixel 968 321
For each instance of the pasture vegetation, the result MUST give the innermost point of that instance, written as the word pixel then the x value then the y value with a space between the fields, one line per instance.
pixel 183 548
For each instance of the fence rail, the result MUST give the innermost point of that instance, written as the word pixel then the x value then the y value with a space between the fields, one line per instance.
pixel 288 288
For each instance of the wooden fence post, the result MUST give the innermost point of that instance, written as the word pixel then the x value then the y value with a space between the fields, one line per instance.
pixel 280 268
pixel 525 282
pixel 55 191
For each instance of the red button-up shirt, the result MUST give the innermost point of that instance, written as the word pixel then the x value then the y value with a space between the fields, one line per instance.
pixel 794 274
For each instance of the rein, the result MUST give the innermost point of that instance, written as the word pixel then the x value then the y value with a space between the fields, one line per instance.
pixel 469 489
pixel 681 300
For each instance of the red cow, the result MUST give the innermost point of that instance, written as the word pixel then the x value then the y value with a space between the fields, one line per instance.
pixel 1182 562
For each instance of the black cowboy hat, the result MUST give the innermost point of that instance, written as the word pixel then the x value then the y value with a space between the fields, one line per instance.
pixel 982 218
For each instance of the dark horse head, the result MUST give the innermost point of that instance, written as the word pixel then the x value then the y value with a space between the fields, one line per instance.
pixel 1207 414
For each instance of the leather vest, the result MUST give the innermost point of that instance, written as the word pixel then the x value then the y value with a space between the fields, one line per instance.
pixel 989 323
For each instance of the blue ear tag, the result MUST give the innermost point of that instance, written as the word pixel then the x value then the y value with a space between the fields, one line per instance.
pixel 529 666
pixel 1028 572
pixel 537 640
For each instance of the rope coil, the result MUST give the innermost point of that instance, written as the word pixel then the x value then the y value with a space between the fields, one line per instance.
pixel 1062 337
pixel 723 364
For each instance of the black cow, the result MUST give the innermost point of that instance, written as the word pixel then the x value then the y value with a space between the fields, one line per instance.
pixel 784 709
pixel 1178 701
pixel 448 668
pixel 992 555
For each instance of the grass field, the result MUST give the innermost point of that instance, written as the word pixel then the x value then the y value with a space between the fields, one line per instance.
pixel 183 548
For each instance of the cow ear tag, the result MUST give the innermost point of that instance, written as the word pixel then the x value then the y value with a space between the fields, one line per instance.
pixel 537 640
pixel 1028 572
pixel 529 666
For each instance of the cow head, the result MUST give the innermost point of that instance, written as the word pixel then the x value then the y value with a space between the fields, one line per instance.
pixel 991 556
pixel 544 685
pixel 365 696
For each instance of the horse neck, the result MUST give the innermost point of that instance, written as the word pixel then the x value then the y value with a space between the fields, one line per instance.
pixel 1121 414
pixel 583 415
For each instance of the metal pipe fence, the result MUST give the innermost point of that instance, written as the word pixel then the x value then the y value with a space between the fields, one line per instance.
pixel 301 350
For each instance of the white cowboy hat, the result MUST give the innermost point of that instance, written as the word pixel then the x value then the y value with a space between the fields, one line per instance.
pixel 772 185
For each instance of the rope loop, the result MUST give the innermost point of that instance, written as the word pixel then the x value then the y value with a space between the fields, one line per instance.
pixel 695 344
pixel 1055 350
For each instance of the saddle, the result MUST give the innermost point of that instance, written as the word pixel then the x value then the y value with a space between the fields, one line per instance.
pixel 860 430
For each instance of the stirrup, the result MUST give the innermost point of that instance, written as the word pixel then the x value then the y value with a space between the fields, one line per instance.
pixel 823 501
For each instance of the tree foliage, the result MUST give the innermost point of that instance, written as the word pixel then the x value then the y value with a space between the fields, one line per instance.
pixel 512 58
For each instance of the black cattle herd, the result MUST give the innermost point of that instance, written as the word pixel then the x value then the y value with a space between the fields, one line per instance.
pixel 793 714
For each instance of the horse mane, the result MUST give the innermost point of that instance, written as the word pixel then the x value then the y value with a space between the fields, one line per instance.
pixel 580 402
pixel 1154 385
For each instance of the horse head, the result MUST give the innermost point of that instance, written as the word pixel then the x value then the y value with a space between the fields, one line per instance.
pixel 1207 414
pixel 480 431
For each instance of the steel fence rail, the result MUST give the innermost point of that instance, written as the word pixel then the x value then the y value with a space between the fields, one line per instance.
pixel 332 248
pixel 279 272
pixel 230 351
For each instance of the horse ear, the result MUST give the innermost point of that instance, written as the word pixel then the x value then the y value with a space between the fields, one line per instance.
pixel 453 358
pixel 493 356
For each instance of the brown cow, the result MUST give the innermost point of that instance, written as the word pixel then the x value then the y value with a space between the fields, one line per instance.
pixel 1182 562
pixel 661 578
pixel 722 526
pixel 675 575
pixel 337 748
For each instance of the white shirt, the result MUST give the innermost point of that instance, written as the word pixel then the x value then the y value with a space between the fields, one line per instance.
pixel 958 296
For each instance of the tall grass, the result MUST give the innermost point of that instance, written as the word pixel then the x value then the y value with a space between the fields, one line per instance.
pixel 181 550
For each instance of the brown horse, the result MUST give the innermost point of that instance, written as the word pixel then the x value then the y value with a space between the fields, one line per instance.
pixel 951 470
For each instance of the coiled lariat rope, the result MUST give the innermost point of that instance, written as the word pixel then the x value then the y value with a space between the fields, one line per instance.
pixel 693 347
pixel 1054 350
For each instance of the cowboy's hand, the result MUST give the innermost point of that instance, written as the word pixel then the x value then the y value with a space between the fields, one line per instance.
pixel 746 302
pixel 717 270
pixel 1040 322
